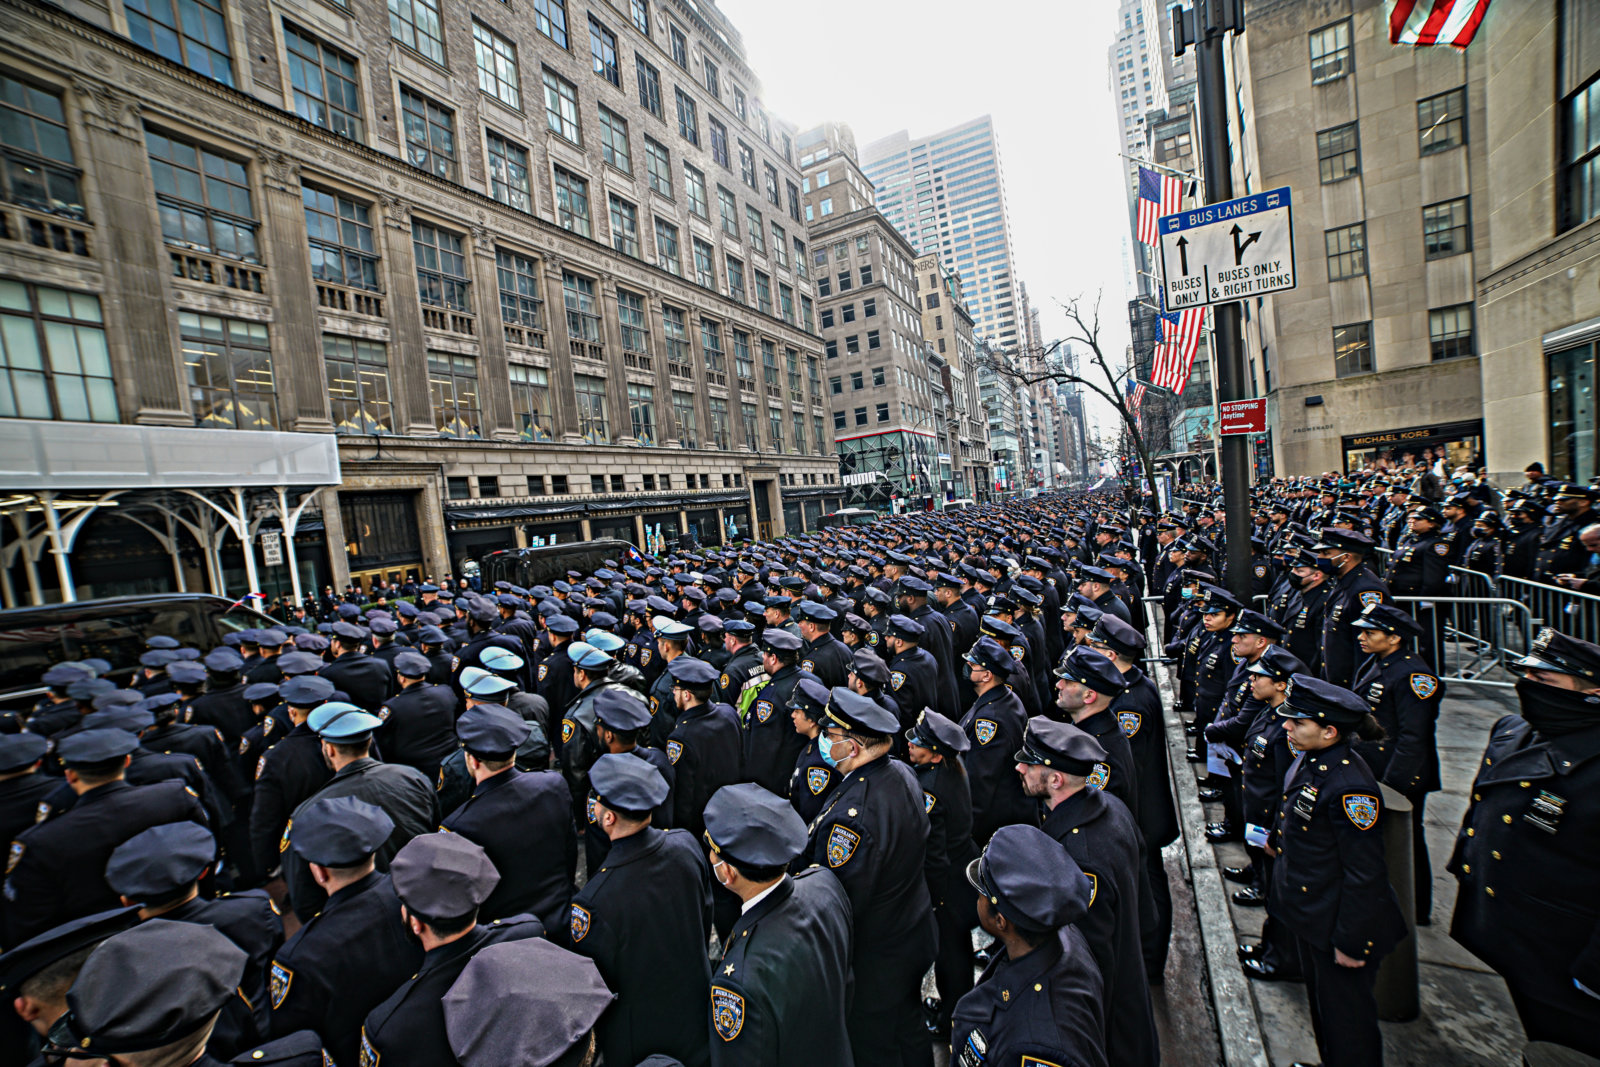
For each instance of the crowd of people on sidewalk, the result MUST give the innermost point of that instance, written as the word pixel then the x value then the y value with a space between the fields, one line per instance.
pixel 732 806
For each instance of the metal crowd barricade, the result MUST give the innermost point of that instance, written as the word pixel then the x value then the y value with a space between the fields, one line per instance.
pixel 1567 610
pixel 1471 640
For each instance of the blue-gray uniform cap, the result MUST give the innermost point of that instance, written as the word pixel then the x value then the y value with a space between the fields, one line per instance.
pixel 1030 879
pixel 412 665
pixel 1309 697
pixel 338 831
pixel 1093 669
pixel 134 720
pixel 752 827
pixel 485 685
pixel 849 710
pixel 624 782
pixel 22 962
pixel 586 657
pixel 617 709
pixel 342 723
pixel 442 875
pixel 305 691
pixel 1060 746
pixel 495 658
pixel 1386 618
pixel 991 656
pixel 523 1004
pixel 688 671
pixel 147 987
pixel 153 866
pixel 809 697
pixel 88 748
pixel 906 628
pixel 21 750
pixel 1277 663
pixel 492 731
pixel 223 661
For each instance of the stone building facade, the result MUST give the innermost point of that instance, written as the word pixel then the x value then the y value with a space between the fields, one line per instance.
pixel 947 325
pixel 522 258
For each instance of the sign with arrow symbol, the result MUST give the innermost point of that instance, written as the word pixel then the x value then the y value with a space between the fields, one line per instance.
pixel 1231 251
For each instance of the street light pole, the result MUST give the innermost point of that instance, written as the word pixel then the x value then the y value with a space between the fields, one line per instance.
pixel 1206 26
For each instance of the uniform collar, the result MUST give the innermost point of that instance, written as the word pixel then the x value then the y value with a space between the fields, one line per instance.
pixel 360 766
pixel 1012 978
pixel 495 781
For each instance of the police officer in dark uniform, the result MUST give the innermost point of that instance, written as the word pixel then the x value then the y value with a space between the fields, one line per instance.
pixel 350 956
pixel 963 619
pixel 1056 762
pixel 1040 1000
pixel 1524 854
pixel 554 673
pixel 1560 550
pixel 744 661
pixel 22 786
pixel 705 745
pixel 159 870
pixel 49 866
pixel 1330 885
pixel 873 835
pixel 1140 714
pixel 442 880
pixel 1421 567
pixel 1341 554
pixel 521 819
pixel 1087 686
pixel 418 721
pixel 769 745
pixel 364 679
pixel 1405 696
pixel 914 675
pixel 205 743
pixel 621 727
pixel 823 654
pixel 222 704
pixel 779 994
pixel 644 918
pixel 813 777
pixel 938 639
pixel 288 773
pixel 994 725
pixel 934 746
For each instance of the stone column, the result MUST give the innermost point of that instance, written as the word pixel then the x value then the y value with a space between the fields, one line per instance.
pixel 494 391
pixel 333 537
pixel 296 343
pixel 408 351
pixel 138 304
pixel 616 369
pixel 563 403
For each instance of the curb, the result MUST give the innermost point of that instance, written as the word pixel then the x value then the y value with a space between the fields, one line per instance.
pixel 1233 1000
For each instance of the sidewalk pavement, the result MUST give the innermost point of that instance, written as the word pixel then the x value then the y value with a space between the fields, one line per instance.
pixel 1466 1019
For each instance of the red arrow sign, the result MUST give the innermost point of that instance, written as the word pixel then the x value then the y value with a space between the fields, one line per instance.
pixel 1242 417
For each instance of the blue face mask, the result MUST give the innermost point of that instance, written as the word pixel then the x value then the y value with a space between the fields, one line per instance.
pixel 1186 593
pixel 825 750
pixel 1329 566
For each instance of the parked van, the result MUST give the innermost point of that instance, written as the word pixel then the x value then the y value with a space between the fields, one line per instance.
pixel 529 567
pixel 960 505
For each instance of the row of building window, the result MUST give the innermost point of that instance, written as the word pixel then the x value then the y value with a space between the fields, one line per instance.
pixel 1441 125
pixel 1450 336
pixel 1446 231
pixel 459 487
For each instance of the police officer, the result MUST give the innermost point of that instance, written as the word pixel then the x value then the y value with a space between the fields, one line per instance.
pixel 938 639
pixel 159 870
pixel 823 654
pixel 1330 886
pixel 1560 550
pixel 813 777
pixel 418 721
pixel 672 644
pixel 150 994
pixel 873 834
pixel 993 725
pixel 52 869
pixel 555 669
pixel 441 880
pixel 1040 999
pixel 934 746
pixel 1523 856
pixel 22 786
pixel 947 590
pixel 1421 567
pixel 779 994
pixel 705 745
pixel 345 732
pixel 364 679
pixel 744 661
pixel 353 953
pixel 1087 685
pixel 522 820
pixel 914 674
pixel 769 745
pixel 288 773
pixel 644 918
pixel 1341 554
pixel 1405 696
pixel 1056 762
pixel 222 704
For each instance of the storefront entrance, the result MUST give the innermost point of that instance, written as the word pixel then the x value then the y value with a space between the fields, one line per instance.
pixel 1459 443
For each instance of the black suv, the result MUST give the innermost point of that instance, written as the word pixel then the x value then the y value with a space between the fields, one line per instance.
pixel 529 567
pixel 114 629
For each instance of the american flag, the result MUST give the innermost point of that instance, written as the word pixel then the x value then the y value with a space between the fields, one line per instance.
pixel 1135 389
pixel 1174 354
pixel 1158 195
pixel 1430 22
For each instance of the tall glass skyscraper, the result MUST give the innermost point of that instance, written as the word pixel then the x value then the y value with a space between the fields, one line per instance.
pixel 946 194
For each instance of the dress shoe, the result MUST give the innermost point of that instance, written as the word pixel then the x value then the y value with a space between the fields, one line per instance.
pixel 1265 972
pixel 1248 952
pixel 1241 875
pixel 1191 729
pixel 1220 832
pixel 1194 757
pixel 1207 793
pixel 982 957
pixel 1250 897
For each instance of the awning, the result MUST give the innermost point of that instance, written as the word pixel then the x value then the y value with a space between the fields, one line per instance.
pixel 538 509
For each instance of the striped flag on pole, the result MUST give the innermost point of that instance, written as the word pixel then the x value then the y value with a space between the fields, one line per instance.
pixel 1430 22
pixel 1135 390
pixel 1158 195
pixel 1174 355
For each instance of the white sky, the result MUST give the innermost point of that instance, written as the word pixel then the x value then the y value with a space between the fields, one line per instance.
pixel 1038 68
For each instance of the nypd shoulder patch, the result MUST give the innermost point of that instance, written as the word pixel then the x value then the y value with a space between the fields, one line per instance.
pixel 1016 653
pixel 369 1055
pixel 1130 721
pixel 644 657
pixel 763 710
pixel 17 848
pixel 579 923
pixel 984 730
pixel 808 665
pixel 674 750
pixel 896 680
pixel 816 780
pixel 568 728
pixel 727 1012
pixel 1099 776
pixel 1442 548
pixel 842 842
pixel 1361 809
pixel 279 981
pixel 544 669
pixel 1371 597
pixel 1094 885
pixel 42 812
pixel 928 801
pixel 723 681
pixel 1424 685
